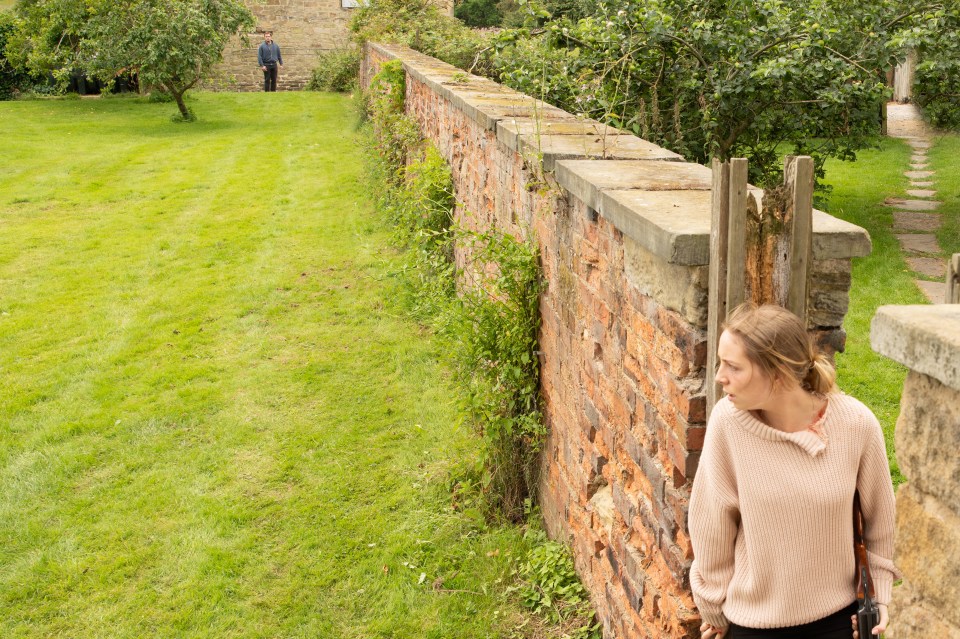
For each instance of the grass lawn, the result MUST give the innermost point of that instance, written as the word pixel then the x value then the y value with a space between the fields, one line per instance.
pixel 216 420
pixel 945 160
pixel 859 189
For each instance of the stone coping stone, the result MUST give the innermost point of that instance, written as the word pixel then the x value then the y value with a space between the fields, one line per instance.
pixel 676 225
pixel 489 109
pixel 510 130
pixel 924 338
pixel 610 186
pixel 655 224
pixel 553 148
pixel 587 178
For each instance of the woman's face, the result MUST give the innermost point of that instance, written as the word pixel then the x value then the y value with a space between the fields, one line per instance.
pixel 746 384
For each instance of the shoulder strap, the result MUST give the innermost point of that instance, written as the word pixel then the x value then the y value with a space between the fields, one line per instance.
pixel 860 551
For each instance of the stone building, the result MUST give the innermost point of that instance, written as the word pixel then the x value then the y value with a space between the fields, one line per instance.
pixel 302 28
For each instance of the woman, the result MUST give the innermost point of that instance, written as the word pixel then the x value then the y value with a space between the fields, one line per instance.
pixel 772 506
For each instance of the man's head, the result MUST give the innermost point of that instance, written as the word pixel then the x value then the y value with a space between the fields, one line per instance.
pixel 268 36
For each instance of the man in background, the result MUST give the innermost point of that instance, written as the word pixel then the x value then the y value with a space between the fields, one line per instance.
pixel 269 59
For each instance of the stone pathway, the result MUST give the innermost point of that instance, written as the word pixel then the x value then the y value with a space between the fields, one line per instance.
pixel 916 220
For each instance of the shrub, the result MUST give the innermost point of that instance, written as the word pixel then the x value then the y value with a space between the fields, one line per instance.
pixel 479 13
pixel 937 80
pixel 419 24
pixel 13 78
pixel 336 70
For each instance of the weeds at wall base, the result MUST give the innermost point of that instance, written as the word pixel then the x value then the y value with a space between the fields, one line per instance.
pixel 487 309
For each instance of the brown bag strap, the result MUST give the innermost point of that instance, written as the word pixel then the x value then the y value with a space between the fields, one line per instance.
pixel 860 550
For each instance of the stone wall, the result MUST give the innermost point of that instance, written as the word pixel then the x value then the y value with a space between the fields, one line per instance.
pixel 302 28
pixel 623 228
pixel 927 340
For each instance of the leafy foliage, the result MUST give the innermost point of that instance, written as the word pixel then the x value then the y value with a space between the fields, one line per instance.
pixel 420 25
pixel 718 79
pixel 336 70
pixel 494 321
pixel 479 13
pixel 170 44
pixel 13 77
pixel 937 79
pixel 548 585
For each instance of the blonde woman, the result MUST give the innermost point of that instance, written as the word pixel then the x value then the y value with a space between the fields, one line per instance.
pixel 771 507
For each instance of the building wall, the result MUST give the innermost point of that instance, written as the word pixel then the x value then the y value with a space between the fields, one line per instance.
pixel 302 28
pixel 623 229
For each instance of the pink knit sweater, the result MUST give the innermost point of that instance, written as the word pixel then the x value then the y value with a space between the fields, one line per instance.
pixel 771 516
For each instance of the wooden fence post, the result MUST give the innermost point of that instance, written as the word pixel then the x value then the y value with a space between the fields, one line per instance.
pixel 757 253
pixel 717 286
pixel 953 280
pixel 798 176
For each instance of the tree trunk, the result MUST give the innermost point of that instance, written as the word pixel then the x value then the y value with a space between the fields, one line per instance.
pixel 184 111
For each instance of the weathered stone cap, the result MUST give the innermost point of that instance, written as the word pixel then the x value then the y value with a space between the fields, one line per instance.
pixel 665 206
pixel 923 338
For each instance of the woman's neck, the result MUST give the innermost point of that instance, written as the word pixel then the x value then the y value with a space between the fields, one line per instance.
pixel 792 410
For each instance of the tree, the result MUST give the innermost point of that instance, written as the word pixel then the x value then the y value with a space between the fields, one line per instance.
pixel 721 78
pixel 170 44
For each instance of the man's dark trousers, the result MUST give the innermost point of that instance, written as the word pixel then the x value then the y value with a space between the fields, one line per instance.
pixel 270 78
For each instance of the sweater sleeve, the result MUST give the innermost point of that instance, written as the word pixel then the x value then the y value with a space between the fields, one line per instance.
pixel 260 55
pixel 279 56
pixel 877 502
pixel 714 522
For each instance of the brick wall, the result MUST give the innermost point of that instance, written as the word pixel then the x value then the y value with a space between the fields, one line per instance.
pixel 623 228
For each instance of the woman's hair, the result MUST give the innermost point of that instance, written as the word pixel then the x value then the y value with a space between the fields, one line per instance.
pixel 776 340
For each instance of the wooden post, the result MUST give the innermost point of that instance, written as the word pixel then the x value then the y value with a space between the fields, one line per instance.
pixel 798 176
pixel 717 287
pixel 737 235
pixel 953 280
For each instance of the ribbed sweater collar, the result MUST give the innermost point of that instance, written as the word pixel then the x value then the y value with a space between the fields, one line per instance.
pixel 813 440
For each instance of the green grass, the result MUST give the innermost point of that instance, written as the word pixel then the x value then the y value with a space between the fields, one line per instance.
pixel 945 160
pixel 859 189
pixel 216 420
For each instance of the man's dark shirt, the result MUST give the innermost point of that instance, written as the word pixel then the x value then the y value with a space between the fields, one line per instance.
pixel 268 54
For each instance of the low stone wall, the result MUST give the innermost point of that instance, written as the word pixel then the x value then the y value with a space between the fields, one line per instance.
pixel 623 228
pixel 927 340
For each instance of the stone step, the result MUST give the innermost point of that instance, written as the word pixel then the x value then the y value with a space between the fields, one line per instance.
pixel 919 143
pixel 916 221
pixel 921 184
pixel 918 242
pixel 919 157
pixel 929 266
pixel 919 175
pixel 935 291
pixel 912 205
pixel 918 166
pixel 921 193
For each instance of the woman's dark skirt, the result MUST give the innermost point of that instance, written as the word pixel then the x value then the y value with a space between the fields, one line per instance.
pixel 835 626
